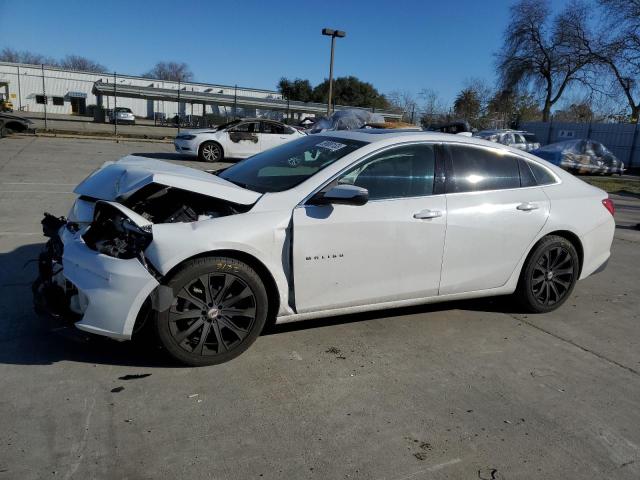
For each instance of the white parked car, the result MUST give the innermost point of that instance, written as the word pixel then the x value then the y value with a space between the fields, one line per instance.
pixel 329 224
pixel 237 139
pixel 519 139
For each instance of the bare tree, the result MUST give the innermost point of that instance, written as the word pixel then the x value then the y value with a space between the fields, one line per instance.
pixel 432 107
pixel 24 56
pixel 172 71
pixel 541 50
pixel 618 48
pixel 405 101
pixel 576 109
pixel 83 64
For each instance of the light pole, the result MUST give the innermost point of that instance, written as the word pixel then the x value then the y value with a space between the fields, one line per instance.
pixel 333 34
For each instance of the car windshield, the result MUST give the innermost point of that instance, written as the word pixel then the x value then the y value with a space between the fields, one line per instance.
pixel 123 109
pixel 227 125
pixel 288 165
pixel 530 138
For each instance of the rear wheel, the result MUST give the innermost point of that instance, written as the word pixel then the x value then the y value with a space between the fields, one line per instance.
pixel 549 275
pixel 219 309
pixel 210 152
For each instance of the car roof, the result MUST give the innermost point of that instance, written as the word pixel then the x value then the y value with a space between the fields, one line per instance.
pixel 502 130
pixel 249 119
pixel 375 135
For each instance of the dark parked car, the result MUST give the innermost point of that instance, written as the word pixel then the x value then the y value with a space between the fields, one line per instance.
pixel 13 123
pixel 581 156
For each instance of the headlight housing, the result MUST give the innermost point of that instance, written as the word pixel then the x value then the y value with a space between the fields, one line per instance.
pixel 116 235
pixel 186 137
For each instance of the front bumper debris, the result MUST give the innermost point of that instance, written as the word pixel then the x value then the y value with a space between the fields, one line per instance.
pixel 98 293
pixel 51 294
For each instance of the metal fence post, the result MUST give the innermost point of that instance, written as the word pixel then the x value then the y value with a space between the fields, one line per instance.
pixel 44 94
pixel 178 106
pixel 19 91
pixel 115 104
pixel 235 101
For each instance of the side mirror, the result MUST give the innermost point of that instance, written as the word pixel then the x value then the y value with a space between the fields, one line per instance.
pixel 341 195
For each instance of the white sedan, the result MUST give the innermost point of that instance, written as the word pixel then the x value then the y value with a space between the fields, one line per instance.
pixel 329 224
pixel 237 139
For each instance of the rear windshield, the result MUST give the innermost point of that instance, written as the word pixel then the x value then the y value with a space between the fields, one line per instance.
pixel 288 165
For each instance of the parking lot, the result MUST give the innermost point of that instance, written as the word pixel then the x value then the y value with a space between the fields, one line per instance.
pixel 456 390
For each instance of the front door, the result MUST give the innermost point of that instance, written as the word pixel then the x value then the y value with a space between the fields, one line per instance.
pixel 243 140
pixel 493 217
pixel 78 105
pixel 388 249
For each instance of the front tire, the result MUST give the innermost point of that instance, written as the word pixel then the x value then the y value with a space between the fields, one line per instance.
pixel 549 275
pixel 210 152
pixel 219 308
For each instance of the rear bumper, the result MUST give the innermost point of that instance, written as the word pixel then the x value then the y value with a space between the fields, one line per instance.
pixel 98 293
pixel 596 246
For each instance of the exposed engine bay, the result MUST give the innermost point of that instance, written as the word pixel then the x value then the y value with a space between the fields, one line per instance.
pixel 162 204
pixel 116 234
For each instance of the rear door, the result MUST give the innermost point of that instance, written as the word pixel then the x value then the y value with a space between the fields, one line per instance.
pixel 388 249
pixel 492 218
pixel 274 134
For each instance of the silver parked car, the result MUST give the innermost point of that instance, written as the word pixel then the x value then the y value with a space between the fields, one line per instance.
pixel 123 115
pixel 513 138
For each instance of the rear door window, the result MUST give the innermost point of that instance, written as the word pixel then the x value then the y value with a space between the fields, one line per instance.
pixel 541 174
pixel 473 169
pixel 275 128
pixel 526 175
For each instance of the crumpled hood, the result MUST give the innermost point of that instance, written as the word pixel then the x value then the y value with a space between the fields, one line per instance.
pixel 118 180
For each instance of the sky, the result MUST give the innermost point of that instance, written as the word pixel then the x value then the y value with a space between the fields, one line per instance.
pixel 395 45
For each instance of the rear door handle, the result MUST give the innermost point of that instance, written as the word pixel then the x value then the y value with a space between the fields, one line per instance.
pixel 426 214
pixel 527 206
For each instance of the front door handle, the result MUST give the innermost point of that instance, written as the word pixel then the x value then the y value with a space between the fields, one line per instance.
pixel 425 214
pixel 527 206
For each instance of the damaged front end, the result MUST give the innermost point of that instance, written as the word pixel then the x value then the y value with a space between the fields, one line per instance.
pixel 93 271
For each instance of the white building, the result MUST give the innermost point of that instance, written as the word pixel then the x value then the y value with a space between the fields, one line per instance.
pixel 70 92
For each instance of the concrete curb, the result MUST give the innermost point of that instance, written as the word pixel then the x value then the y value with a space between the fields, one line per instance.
pixel 95 137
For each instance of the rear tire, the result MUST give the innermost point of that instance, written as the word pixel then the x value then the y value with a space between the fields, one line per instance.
pixel 219 308
pixel 548 276
pixel 210 152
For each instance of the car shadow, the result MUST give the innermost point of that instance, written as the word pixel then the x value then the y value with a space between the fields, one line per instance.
pixel 164 156
pixel 179 158
pixel 629 227
pixel 491 305
pixel 27 338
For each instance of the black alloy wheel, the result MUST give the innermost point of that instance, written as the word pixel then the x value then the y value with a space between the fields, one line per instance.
pixel 549 275
pixel 552 275
pixel 219 309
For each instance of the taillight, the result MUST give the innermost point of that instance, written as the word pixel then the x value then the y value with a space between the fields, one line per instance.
pixel 608 204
